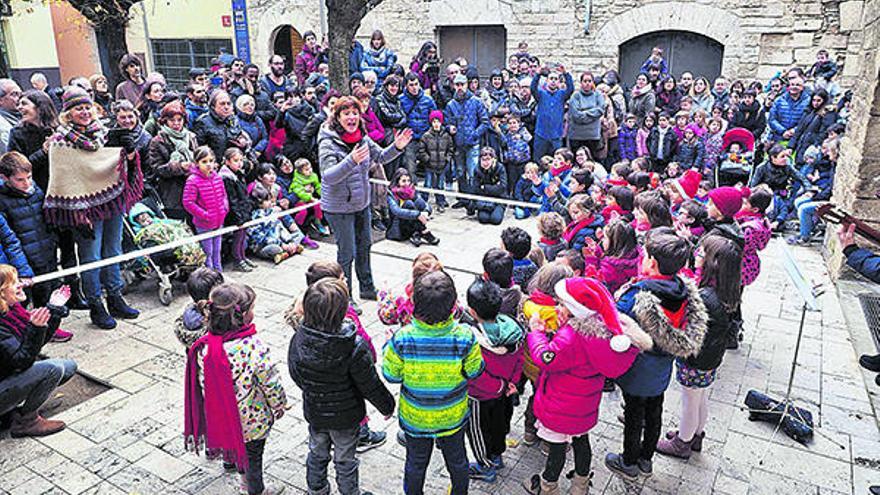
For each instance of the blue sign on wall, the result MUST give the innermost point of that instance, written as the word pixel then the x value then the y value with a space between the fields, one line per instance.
pixel 240 23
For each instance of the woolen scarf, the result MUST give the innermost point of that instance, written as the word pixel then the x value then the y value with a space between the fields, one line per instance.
pixel 17 319
pixel 180 140
pixel 89 182
pixel 211 417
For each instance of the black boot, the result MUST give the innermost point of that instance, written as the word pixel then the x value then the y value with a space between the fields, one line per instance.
pixel 100 317
pixel 76 300
pixel 870 363
pixel 430 239
pixel 120 309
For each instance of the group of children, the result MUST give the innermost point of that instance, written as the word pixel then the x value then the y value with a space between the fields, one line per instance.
pixel 629 284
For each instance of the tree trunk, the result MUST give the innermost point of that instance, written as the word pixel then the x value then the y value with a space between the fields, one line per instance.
pixel 113 44
pixel 343 20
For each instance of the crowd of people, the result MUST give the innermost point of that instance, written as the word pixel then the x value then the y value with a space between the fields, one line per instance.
pixel 653 199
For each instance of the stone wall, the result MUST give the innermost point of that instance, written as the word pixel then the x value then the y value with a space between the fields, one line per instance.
pixel 761 37
pixel 858 171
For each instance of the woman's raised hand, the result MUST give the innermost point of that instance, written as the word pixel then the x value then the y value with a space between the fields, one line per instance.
pixel 60 296
pixel 361 152
pixel 40 317
pixel 402 138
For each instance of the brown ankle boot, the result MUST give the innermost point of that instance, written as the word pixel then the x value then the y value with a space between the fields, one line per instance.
pixel 33 425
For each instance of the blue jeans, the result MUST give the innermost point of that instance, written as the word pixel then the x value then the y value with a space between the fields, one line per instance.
pixel 105 243
pixel 806 210
pixel 435 180
pixel 34 385
pixel 418 455
pixel 546 147
pixel 467 159
pixel 782 207
pixel 353 242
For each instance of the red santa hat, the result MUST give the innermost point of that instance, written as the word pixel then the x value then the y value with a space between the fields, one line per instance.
pixel 688 184
pixel 586 297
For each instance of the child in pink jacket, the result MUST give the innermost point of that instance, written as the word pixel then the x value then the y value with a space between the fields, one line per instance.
pixel 204 198
pixel 592 343
pixel 490 395
pixel 617 259
pixel 756 230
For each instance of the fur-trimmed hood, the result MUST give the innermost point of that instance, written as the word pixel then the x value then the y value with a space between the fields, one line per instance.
pixel 649 312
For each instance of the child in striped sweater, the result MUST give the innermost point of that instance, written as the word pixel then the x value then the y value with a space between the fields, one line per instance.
pixel 433 358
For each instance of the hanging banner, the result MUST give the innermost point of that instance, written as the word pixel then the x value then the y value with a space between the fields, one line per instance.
pixel 240 24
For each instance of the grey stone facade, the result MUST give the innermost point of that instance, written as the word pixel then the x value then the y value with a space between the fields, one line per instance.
pixel 760 37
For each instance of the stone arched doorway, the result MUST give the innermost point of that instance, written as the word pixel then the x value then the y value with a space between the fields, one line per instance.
pixel 682 50
pixel 287 42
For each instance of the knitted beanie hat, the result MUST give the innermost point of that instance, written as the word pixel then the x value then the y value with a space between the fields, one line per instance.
pixel 688 184
pixel 73 96
pixel 728 200
pixel 435 114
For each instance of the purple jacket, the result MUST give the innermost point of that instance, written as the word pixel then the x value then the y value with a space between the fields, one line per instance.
pixel 501 344
pixel 306 63
pixel 205 199
pixel 573 367
pixel 756 231
pixel 615 271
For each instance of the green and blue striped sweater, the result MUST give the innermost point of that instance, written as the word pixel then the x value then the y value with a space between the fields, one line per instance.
pixel 433 364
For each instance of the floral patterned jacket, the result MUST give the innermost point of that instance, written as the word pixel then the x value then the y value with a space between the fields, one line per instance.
pixel 258 390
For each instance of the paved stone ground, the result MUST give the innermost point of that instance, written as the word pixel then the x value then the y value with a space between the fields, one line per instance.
pixel 128 440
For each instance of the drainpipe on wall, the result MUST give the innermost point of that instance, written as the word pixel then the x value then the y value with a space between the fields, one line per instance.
pixel 150 63
pixel 322 15
pixel 588 7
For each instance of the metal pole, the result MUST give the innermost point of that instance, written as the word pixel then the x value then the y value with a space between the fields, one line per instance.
pixel 322 15
pixel 150 61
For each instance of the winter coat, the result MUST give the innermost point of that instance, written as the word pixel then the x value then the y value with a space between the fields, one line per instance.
pixel 615 271
pixel 574 364
pixel 254 126
pixel 193 112
pixel 713 145
pixel 294 121
pixel 355 54
pixel 523 271
pixel 299 183
pixel 777 178
pixel 398 211
pixel 491 182
pixel 28 140
pixel 825 70
pixel 719 100
pixel 585 112
pixel 444 94
pixel 810 131
pixel 11 252
pixel 205 199
pixel 516 147
pixel 668 101
pixel 258 389
pixel 501 345
pixel 19 352
pixel 525 110
pixel 618 102
pixel 306 62
pixel 375 129
pixel 336 372
pixel 436 150
pixel 642 104
pixel 524 190
pixel 691 155
pixel 379 61
pixel 427 79
pixel 863 261
pixel 23 213
pixel 704 102
pixel 550 109
pixel 751 118
pixel 588 230
pixel 785 114
pixel 190 326
pixel 167 177
pixel 417 110
pixel 390 113
pixel 757 233
pixel 470 118
pixel 345 185
pixel 627 142
pixel 669 145
pixel 653 303
pixel 236 197
pixel 433 364
pixel 215 134
pixel 551 249
pixel 825 183
pixel 641 141
pixel 715 341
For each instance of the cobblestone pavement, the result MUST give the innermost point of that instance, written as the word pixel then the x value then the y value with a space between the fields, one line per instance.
pixel 128 439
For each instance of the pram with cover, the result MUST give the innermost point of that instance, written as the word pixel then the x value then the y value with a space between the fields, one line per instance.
pixel 736 168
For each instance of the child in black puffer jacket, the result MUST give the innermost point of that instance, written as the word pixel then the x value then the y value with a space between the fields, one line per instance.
pixel 336 372
pixel 779 173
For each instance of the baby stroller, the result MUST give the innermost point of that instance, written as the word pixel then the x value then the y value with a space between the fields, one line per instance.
pixel 738 167
pixel 166 265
